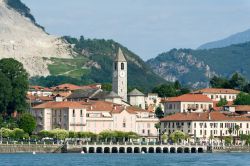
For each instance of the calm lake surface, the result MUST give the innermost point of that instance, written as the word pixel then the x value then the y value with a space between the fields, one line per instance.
pixel 215 159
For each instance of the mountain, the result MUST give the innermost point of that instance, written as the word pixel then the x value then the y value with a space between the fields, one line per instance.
pixel 196 67
pixel 81 60
pixel 23 39
pixel 237 38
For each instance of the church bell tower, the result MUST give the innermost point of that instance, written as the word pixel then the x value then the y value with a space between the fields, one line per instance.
pixel 119 83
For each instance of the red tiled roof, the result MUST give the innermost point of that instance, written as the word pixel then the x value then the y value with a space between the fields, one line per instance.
pixel 217 91
pixel 67 87
pixel 40 88
pixel 63 104
pixel 189 98
pixel 214 116
pixel 242 108
pixel 42 98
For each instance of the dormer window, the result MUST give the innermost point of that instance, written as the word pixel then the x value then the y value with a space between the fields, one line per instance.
pixel 122 66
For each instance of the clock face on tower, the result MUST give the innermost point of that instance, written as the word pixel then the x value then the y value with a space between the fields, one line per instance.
pixel 122 74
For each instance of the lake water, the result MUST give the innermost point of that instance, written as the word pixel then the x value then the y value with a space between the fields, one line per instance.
pixel 213 159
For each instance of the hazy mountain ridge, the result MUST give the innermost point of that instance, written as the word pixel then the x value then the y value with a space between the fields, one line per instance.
pixel 237 38
pixel 196 67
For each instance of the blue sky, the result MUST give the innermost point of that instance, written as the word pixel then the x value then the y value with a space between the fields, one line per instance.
pixel 146 27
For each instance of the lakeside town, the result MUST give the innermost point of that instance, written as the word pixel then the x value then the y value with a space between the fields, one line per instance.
pixel 81 115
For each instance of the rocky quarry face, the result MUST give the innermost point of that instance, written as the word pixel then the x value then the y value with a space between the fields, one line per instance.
pixel 22 40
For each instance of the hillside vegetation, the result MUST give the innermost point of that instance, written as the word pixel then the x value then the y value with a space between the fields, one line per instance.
pixel 197 67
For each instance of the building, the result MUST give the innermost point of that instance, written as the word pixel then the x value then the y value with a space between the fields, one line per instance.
pixel 119 83
pixel 217 93
pixel 153 101
pixel 39 91
pixel 238 109
pixel 136 98
pixel 206 125
pixel 187 103
pixel 95 116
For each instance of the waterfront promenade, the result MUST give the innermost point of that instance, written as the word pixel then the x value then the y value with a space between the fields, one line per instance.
pixel 137 148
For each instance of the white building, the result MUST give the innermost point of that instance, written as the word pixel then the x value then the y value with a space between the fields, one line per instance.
pixel 136 98
pixel 217 93
pixel 153 100
pixel 203 126
pixel 187 103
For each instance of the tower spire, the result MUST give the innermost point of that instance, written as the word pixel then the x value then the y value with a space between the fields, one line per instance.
pixel 120 56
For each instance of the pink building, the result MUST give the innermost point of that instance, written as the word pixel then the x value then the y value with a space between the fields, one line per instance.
pixel 95 116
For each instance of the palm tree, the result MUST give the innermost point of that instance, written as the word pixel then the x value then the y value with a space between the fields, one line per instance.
pixel 230 130
pixel 237 128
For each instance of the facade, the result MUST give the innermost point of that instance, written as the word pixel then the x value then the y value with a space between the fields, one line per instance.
pixel 187 103
pixel 217 93
pixel 119 83
pixel 136 98
pixel 207 125
pixel 95 116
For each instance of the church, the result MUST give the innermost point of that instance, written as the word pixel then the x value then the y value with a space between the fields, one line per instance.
pixel 120 82
pixel 119 93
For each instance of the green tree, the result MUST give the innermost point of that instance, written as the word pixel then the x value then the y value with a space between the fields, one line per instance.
pixel 19 133
pixel 222 102
pixel 178 136
pixel 159 113
pixel 165 90
pixel 59 134
pixel 18 77
pixel 5 93
pixel 219 82
pixel 107 86
pixel 237 81
pixel 237 128
pixel 230 130
pixel 242 99
pixel 73 134
pixel 27 122
pixel 228 140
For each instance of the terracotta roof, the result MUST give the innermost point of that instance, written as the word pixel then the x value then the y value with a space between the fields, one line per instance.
pixel 40 88
pixel 242 108
pixel 42 98
pixel 217 91
pixel 63 104
pixel 189 98
pixel 67 87
pixel 214 116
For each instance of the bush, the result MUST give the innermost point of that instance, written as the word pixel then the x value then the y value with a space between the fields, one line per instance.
pixel 228 140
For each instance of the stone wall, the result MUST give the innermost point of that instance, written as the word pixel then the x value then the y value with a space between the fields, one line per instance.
pixel 26 148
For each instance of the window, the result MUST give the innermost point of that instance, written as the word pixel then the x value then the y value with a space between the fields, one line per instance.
pixel 124 124
pixel 81 113
pixel 143 131
pixel 212 96
pixel 74 113
pixel 122 66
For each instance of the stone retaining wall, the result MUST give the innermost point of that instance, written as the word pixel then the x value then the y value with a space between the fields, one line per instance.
pixel 26 148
